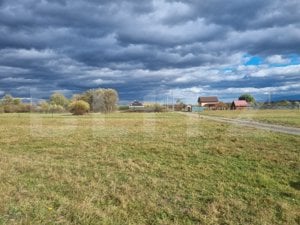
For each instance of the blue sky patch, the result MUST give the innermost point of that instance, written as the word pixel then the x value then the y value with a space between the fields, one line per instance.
pixel 255 60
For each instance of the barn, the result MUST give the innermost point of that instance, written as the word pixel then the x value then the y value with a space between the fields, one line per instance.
pixel 210 102
pixel 239 104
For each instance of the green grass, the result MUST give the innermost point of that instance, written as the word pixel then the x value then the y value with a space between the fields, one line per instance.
pixel 280 117
pixel 145 169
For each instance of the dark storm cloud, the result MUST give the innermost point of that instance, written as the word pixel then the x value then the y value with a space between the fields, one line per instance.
pixel 143 47
pixel 247 14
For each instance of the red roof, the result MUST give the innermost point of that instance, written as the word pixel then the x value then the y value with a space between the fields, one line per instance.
pixel 240 103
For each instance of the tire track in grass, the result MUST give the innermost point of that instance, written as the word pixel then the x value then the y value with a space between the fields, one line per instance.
pixel 240 122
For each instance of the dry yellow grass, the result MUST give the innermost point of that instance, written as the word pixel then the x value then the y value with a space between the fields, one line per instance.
pixel 145 169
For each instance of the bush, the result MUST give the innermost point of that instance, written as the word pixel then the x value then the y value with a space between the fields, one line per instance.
pixel 123 107
pixel 53 108
pixel 79 107
pixel 24 108
pixel 1 109
pixel 43 107
pixel 158 108
pixel 148 109
pixel 10 108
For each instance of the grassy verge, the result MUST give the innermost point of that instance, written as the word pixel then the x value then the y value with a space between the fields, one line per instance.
pixel 145 169
pixel 280 117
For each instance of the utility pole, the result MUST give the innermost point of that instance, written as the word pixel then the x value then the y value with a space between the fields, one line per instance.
pixel 167 104
pixel 173 101
pixel 31 103
pixel 270 97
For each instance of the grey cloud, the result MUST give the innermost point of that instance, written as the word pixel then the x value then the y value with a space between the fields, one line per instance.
pixel 75 45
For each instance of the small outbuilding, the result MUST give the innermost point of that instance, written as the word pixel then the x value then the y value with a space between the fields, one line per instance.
pixel 188 108
pixel 239 104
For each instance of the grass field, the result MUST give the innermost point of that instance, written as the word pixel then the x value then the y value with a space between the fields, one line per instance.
pixel 145 169
pixel 280 117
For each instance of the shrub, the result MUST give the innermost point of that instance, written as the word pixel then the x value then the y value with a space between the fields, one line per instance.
pixel 24 108
pixel 158 108
pixel 9 108
pixel 53 108
pixel 123 107
pixel 79 107
pixel 43 107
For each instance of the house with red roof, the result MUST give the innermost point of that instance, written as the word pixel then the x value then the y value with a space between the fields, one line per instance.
pixel 239 104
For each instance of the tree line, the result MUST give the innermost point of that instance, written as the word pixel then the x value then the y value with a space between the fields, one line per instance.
pixel 93 100
pixel 9 104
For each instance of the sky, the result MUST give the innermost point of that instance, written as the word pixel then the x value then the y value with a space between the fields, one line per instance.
pixel 151 50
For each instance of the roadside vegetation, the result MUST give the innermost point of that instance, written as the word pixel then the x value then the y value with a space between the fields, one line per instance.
pixel 145 168
pixel 149 108
pixel 9 104
pixel 93 100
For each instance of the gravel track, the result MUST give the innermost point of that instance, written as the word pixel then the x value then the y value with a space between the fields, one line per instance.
pixel 249 123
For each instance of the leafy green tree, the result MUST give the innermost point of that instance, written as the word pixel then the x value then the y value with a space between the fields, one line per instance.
pixel 79 107
pixel 59 99
pixel 247 97
pixel 17 101
pixel 7 100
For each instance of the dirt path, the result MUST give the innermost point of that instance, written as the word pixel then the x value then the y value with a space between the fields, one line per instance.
pixel 258 125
